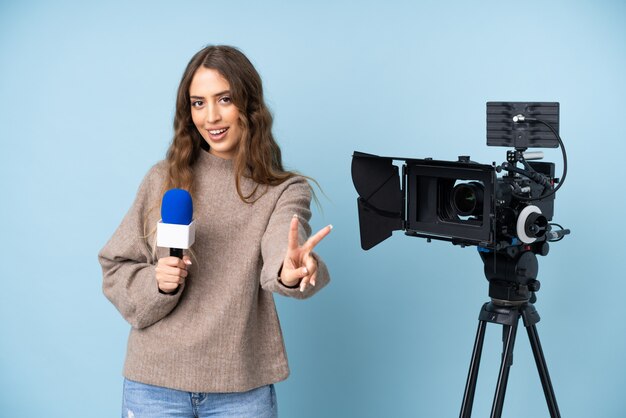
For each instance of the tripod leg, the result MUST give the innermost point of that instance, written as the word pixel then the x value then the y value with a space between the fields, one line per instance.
pixel 542 367
pixel 472 376
pixel 505 367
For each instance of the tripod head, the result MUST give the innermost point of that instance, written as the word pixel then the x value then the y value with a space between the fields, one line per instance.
pixel 512 273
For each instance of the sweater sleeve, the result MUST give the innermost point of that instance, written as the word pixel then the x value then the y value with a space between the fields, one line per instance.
pixel 127 264
pixel 294 199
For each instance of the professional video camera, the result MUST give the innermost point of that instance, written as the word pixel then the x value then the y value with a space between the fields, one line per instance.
pixel 508 218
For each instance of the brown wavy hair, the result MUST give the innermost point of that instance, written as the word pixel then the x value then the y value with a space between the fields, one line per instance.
pixel 258 156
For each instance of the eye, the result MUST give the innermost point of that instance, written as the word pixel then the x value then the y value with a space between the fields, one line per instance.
pixel 197 103
pixel 225 100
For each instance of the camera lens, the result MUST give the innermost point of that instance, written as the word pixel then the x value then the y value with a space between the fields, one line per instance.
pixel 467 199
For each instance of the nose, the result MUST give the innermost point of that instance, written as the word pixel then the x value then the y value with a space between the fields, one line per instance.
pixel 213 114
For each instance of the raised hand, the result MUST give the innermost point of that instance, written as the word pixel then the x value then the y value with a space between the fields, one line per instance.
pixel 300 265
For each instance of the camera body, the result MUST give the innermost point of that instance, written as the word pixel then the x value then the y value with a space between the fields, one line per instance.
pixel 466 203
pixel 462 201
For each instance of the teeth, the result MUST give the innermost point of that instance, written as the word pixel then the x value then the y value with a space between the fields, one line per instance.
pixel 218 131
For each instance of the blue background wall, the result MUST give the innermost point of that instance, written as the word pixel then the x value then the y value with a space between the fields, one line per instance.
pixel 87 105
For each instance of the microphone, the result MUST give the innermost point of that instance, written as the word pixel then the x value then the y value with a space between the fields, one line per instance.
pixel 176 229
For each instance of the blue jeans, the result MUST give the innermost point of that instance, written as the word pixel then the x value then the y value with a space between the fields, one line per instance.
pixel 147 401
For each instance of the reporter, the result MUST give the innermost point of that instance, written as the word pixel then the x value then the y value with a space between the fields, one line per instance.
pixel 205 337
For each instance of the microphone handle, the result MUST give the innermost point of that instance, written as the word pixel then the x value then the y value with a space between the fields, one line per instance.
pixel 176 252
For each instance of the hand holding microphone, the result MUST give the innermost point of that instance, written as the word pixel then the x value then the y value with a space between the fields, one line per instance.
pixel 171 273
pixel 175 231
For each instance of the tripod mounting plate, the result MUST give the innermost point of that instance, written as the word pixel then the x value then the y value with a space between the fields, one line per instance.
pixel 507 315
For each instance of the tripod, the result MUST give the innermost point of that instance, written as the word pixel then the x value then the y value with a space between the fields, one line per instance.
pixel 512 286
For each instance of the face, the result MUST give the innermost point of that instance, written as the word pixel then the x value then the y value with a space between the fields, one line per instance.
pixel 215 115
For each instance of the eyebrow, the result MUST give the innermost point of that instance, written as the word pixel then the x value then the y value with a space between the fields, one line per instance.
pixel 221 93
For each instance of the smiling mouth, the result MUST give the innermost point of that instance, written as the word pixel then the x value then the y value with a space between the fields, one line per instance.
pixel 218 131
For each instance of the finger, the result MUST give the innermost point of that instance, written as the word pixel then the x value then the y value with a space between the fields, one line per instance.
pixel 292 242
pixel 171 279
pixel 168 287
pixel 173 262
pixel 291 275
pixel 310 262
pixel 311 265
pixel 172 271
pixel 187 260
pixel 304 282
pixel 176 271
pixel 315 239
pixel 312 276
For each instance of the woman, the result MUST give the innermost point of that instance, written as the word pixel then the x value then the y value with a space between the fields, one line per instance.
pixel 205 337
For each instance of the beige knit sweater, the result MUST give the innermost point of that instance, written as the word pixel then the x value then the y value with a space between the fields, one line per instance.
pixel 220 331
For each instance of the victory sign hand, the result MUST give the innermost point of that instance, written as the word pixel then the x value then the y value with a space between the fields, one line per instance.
pixel 300 265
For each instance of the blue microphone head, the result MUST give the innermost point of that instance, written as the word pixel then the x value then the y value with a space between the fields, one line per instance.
pixel 176 207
